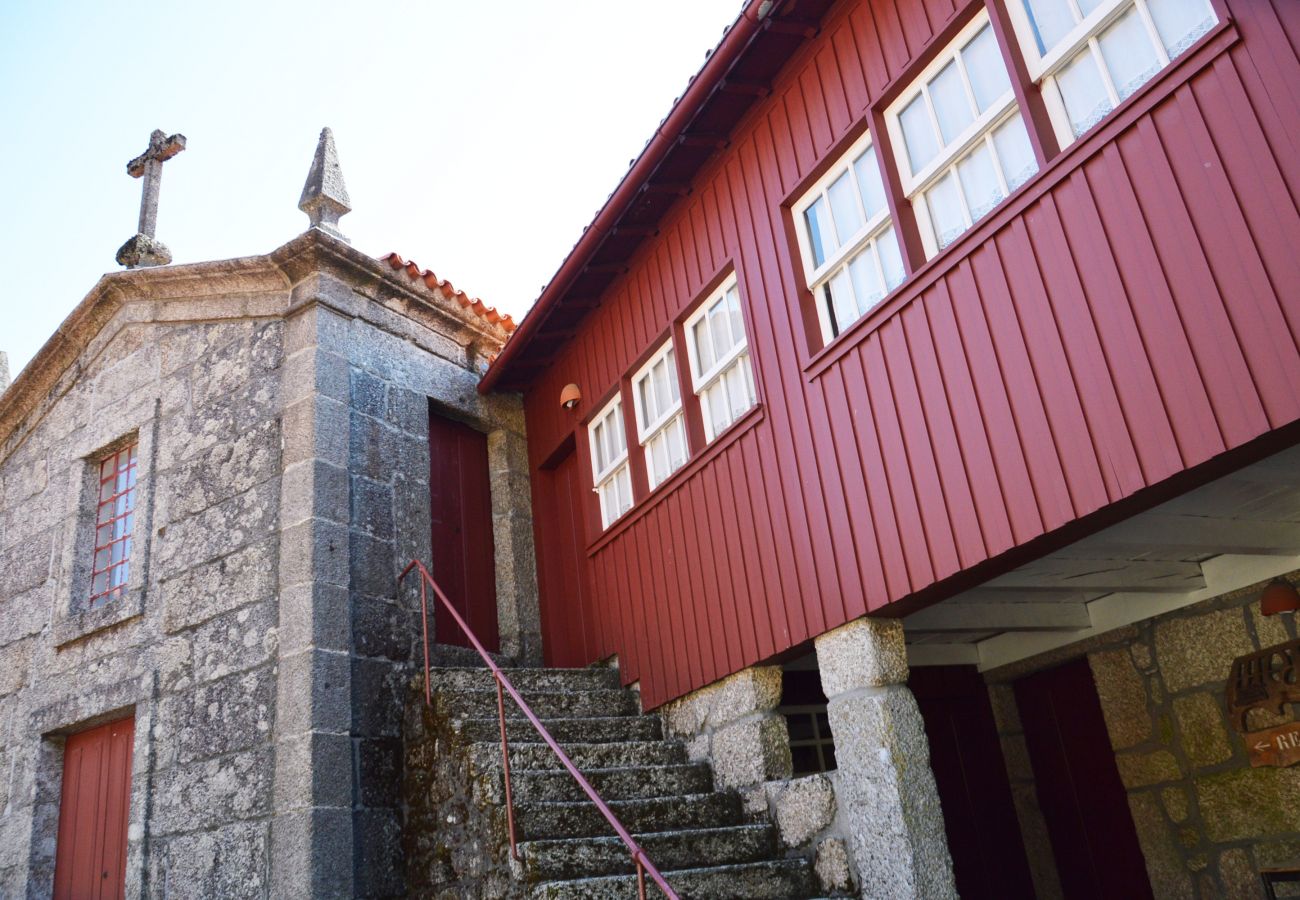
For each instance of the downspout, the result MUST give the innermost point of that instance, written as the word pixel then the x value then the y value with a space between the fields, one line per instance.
pixel 737 38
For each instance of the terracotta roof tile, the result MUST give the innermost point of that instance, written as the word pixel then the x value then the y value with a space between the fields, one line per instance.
pixel 489 313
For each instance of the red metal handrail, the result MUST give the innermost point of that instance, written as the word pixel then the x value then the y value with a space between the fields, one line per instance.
pixel 643 863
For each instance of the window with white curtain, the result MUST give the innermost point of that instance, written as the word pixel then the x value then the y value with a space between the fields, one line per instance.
pixel 719 354
pixel 849 246
pixel 959 138
pixel 609 465
pixel 660 425
pixel 1091 55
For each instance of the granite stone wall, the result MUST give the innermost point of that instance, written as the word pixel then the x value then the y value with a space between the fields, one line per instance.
pixel 1206 820
pixel 190 650
pixel 281 406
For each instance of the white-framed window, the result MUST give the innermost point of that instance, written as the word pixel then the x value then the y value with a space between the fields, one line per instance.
pixel 959 138
pixel 609 466
pixel 721 373
pixel 849 246
pixel 1091 55
pixel 660 425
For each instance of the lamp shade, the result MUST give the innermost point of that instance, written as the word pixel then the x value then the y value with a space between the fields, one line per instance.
pixel 1279 597
pixel 570 396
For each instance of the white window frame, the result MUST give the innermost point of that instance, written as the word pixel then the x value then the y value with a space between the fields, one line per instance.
pixel 648 431
pixel 611 415
pixel 915 184
pixel 737 355
pixel 1043 67
pixel 866 238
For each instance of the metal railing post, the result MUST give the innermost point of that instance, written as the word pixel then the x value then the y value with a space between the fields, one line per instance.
pixel 505 765
pixel 642 862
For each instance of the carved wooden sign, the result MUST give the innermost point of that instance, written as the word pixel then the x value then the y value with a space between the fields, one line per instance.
pixel 1278 746
pixel 1267 680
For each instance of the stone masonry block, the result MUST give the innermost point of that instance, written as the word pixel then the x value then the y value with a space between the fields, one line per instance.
pixel 886 789
pixel 374 567
pixel 222 716
pixel 756 689
pixel 373 448
pixel 314 615
pixel 805 807
pixel 213 792
pixel 751 752
pixel 372 508
pixel 315 691
pixel 311 855
pixel 314 550
pixel 313 769
pixel 1201 724
pixel 863 653
pixel 368 394
pixel 409 411
pixel 1123 696
pixel 229 863
pixel 1197 650
pixel 316 429
pixel 833 867
pixel 314 488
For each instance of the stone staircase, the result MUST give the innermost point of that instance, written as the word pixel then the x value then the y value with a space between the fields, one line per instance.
pixel 696 836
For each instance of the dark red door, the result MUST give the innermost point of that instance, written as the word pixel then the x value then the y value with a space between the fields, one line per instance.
pixel 1079 790
pixel 988 853
pixel 464 557
pixel 568 632
pixel 90 856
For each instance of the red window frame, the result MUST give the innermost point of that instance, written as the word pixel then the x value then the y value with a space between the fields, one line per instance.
pixel 114 523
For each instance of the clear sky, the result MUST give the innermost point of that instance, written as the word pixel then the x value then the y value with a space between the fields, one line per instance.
pixel 476 137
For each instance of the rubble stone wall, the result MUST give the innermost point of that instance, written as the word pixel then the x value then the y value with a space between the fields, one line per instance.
pixel 1206 820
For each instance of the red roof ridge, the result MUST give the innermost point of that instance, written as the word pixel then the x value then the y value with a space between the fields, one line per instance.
pixel 488 313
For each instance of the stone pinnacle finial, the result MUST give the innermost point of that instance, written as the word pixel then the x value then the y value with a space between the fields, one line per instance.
pixel 324 196
pixel 4 372
pixel 144 249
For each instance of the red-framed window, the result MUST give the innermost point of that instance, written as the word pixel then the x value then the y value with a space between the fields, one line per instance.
pixel 114 522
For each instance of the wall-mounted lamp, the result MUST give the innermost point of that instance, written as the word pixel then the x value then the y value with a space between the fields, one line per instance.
pixel 1279 597
pixel 570 396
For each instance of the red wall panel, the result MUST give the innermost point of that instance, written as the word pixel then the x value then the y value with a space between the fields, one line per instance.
pixel 1129 314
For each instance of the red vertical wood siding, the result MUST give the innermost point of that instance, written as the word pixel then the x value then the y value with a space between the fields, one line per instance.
pixel 1130 314
pixel 90 854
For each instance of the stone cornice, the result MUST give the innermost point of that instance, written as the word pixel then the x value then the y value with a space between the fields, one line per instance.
pixel 276 273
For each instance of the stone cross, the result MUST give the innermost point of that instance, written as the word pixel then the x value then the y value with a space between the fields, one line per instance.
pixel 144 249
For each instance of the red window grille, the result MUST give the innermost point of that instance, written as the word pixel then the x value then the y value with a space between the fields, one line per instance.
pixel 114 520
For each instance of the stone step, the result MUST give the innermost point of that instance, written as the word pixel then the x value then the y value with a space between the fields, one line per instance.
pixel 545 704
pixel 557 785
pixel 526 680
pixel 587 730
pixel 620 754
pixel 451 656
pixel 785 879
pixel 685 849
pixel 546 821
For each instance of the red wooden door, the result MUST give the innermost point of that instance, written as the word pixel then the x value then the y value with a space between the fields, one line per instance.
pixel 988 852
pixel 90 859
pixel 464 557
pixel 568 632
pixel 1082 798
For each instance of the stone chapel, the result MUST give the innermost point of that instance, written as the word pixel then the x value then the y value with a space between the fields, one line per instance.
pixel 210 477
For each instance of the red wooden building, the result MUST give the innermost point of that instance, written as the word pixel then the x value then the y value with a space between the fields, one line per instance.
pixel 906 307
